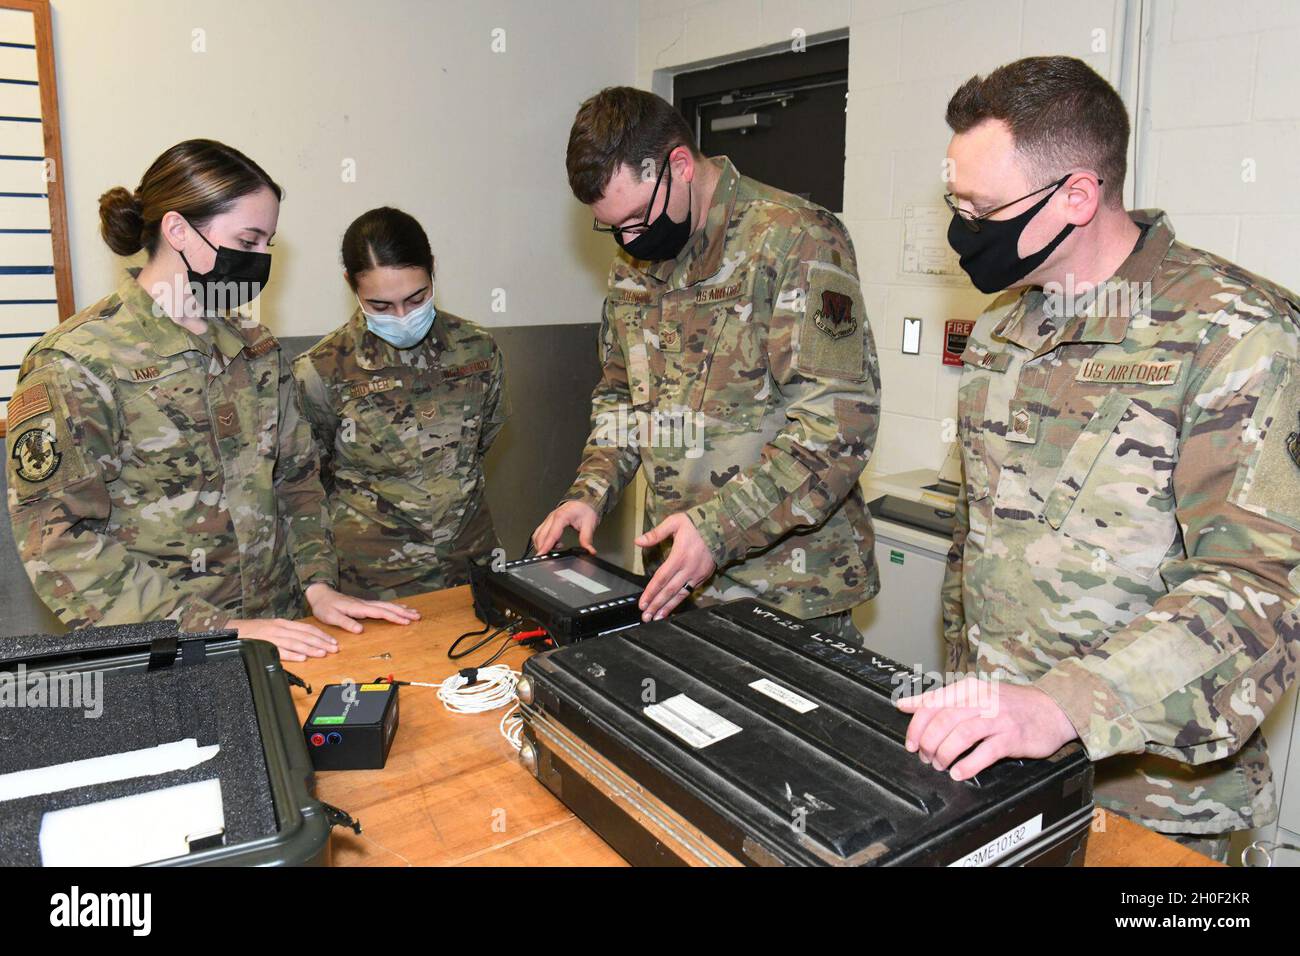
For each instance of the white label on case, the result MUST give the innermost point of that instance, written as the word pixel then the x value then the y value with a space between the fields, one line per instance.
pixel 787 697
pixel 696 725
pixel 1000 846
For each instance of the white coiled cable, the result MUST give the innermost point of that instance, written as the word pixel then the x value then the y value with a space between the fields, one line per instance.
pixel 480 690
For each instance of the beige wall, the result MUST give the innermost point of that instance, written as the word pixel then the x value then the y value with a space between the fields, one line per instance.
pixel 1215 86
pixel 1221 128
pixel 469 140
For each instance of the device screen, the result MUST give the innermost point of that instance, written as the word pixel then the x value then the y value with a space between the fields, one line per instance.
pixel 575 580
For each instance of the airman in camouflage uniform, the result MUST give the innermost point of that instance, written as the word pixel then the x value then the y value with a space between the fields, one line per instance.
pixel 1129 537
pixel 402 435
pixel 154 473
pixel 749 366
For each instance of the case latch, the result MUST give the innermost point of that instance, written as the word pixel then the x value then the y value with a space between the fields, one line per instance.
pixel 340 818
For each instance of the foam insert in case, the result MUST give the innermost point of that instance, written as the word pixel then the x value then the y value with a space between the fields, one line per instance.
pixel 157 685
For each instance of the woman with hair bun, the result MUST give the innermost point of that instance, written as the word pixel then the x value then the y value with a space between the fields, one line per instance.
pixel 405 401
pixel 158 464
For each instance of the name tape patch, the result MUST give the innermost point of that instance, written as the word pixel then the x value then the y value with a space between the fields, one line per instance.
pixel 460 371
pixel 1129 373
pixel 717 293
pixel 262 347
pixel 370 388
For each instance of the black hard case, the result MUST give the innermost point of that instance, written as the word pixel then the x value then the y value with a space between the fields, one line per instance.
pixel 303 823
pixel 833 786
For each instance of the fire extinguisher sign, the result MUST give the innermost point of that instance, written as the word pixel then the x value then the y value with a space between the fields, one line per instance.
pixel 955 333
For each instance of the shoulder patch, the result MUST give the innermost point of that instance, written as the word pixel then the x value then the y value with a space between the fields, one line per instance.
pixel 1268 481
pixel 835 317
pixel 832 339
pixel 36 455
pixel 43 455
pixel 33 400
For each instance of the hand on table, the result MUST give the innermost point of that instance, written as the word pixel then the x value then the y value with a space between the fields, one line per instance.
pixel 338 610
pixel 296 640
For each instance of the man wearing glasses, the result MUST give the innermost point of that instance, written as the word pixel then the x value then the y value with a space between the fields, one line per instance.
pixel 1125 554
pixel 736 347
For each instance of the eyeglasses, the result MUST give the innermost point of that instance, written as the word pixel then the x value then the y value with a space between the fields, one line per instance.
pixel 637 228
pixel 974 222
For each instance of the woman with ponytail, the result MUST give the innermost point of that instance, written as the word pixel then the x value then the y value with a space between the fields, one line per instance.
pixel 158 463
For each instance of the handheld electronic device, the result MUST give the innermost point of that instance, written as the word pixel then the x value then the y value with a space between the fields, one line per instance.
pixel 571 594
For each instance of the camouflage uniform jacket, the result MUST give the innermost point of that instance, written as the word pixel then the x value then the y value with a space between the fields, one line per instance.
pixel 1129 537
pixel 743 377
pixel 158 474
pixel 402 435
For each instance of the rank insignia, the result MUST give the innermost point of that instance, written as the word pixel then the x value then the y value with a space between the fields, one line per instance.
pixel 227 420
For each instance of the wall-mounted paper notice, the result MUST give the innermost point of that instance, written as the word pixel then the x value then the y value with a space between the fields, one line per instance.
pixel 925 242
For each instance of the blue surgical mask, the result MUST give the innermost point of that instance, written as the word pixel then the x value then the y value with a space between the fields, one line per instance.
pixel 405 331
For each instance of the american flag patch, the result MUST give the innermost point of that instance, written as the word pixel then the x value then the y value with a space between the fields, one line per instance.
pixel 32 400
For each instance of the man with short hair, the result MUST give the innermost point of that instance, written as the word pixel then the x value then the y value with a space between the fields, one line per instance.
pixel 738 370
pixel 1125 553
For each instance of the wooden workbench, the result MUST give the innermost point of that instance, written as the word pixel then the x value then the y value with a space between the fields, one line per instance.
pixel 454 793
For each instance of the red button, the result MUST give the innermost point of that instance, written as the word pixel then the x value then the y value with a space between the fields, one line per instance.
pixel 317 739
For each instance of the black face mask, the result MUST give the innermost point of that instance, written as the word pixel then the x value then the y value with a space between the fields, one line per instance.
pixel 991 256
pixel 663 239
pixel 237 277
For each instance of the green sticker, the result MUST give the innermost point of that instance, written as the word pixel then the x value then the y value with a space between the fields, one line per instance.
pixel 329 720
pixel 896 557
